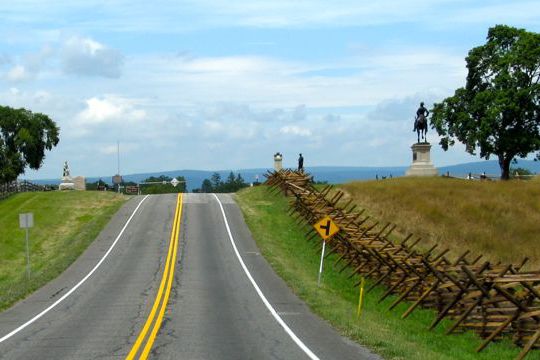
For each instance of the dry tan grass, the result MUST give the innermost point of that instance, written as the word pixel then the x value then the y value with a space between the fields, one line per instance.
pixel 500 220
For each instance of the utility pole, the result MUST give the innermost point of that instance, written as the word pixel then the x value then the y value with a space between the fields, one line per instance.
pixel 118 161
pixel 118 155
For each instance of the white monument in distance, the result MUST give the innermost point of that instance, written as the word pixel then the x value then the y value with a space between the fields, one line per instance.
pixel 71 183
pixel 67 180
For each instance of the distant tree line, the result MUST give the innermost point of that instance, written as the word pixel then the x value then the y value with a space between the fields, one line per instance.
pixel 98 185
pixel 163 185
pixel 215 184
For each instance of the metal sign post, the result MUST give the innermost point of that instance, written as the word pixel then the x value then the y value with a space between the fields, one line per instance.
pixel 26 221
pixel 322 260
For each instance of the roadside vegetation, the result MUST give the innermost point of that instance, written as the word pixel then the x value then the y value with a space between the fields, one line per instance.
pixel 283 244
pixel 65 223
pixel 499 219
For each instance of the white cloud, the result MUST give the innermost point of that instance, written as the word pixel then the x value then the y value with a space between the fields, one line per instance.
pixel 29 65
pixel 295 130
pixel 18 73
pixel 109 109
pixel 265 82
pixel 87 57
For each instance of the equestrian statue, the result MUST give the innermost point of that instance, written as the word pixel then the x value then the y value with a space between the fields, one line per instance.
pixel 420 122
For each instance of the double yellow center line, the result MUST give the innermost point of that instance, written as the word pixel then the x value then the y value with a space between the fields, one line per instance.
pixel 160 304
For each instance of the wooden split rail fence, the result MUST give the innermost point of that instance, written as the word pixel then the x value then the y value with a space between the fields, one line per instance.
pixel 494 300
pixel 19 186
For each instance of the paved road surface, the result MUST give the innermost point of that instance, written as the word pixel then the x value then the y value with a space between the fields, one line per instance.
pixel 214 311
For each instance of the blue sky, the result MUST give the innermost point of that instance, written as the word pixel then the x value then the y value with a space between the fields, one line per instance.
pixel 224 85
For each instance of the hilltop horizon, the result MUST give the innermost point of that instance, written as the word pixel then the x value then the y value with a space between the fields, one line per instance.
pixel 331 174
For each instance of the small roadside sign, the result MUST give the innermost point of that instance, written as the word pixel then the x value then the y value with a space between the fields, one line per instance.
pixel 326 227
pixel 117 179
pixel 175 182
pixel 132 189
pixel 26 220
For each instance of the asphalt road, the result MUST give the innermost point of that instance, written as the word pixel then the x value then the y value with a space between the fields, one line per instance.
pixel 214 310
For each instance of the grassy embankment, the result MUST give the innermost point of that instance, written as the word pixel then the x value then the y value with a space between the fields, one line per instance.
pixel 498 219
pixel 65 223
pixel 282 242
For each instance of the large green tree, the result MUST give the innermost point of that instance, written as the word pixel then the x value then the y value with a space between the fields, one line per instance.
pixel 498 111
pixel 24 137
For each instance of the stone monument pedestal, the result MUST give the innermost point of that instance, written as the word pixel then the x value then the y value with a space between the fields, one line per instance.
pixel 421 165
pixel 66 184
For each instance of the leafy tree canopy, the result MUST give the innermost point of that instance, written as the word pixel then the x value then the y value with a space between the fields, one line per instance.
pixel 498 111
pixel 216 185
pixel 24 137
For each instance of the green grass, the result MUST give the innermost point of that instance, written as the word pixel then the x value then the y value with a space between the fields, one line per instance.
pixel 499 219
pixel 65 223
pixel 283 244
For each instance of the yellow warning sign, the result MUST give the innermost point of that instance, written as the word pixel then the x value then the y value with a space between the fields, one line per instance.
pixel 326 227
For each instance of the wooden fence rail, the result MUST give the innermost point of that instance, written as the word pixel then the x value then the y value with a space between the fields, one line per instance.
pixel 494 300
pixel 20 186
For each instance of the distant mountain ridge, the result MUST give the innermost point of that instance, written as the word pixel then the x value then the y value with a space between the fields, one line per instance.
pixel 331 174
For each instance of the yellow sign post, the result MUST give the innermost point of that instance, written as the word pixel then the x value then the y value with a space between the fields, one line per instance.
pixel 326 228
pixel 360 298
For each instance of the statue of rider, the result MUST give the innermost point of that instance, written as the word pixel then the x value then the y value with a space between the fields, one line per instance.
pixel 422 112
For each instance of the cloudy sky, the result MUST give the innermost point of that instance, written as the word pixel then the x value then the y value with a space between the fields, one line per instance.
pixel 225 84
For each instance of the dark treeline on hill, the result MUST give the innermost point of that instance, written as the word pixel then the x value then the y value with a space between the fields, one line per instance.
pixel 98 185
pixel 165 187
pixel 216 185
pixel 154 185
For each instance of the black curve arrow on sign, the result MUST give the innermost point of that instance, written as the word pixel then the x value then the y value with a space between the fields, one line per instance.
pixel 326 227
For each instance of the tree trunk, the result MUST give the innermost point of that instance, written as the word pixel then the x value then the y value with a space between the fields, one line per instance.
pixel 504 163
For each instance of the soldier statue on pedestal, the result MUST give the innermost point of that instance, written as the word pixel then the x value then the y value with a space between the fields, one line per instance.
pixel 420 122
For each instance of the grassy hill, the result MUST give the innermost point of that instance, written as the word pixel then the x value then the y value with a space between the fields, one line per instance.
pixel 498 219
pixel 65 223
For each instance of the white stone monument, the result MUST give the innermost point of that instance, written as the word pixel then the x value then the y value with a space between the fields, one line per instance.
pixel 278 158
pixel 421 165
pixel 67 180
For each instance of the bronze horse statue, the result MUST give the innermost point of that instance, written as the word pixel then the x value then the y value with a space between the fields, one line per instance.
pixel 421 127
pixel 420 122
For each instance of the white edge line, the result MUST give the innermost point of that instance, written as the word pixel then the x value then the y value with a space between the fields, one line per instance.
pixel 260 293
pixel 35 318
